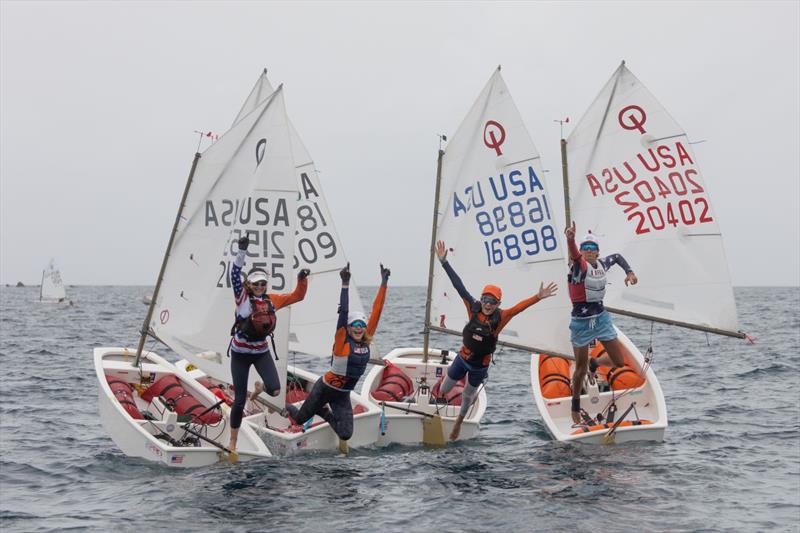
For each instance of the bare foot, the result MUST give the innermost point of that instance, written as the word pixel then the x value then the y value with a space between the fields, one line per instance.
pixel 258 388
pixel 576 417
pixel 344 447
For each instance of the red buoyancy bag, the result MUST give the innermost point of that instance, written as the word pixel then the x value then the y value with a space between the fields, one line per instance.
pixel 554 378
pixel 184 403
pixel 123 392
pixel 394 386
pixel 218 390
pixel 454 396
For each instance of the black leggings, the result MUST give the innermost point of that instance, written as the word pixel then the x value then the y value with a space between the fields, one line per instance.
pixel 340 416
pixel 240 368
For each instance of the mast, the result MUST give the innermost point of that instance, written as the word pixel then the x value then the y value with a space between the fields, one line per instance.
pixel 565 178
pixel 427 328
pixel 41 286
pixel 149 316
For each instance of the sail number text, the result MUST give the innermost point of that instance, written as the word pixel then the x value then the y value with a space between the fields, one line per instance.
pixel 650 201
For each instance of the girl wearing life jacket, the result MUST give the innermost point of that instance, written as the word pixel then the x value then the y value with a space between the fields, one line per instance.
pixel 255 322
pixel 486 321
pixel 590 320
pixel 330 396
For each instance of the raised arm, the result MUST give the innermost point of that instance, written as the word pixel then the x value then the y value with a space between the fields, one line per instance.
pixel 377 304
pixel 236 271
pixel 340 339
pixel 574 254
pixel 507 314
pixel 441 252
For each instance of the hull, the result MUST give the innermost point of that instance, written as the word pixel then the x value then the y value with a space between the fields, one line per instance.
pixel 649 406
pixel 140 437
pixel 281 437
pixel 401 424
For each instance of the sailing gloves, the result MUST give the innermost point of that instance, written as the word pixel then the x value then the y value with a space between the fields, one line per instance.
pixel 345 274
pixel 385 273
pixel 244 242
pixel 303 274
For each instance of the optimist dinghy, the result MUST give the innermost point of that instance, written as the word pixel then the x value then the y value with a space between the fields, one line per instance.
pixel 412 410
pixel 194 305
pixel 620 405
pixel 157 412
pixel 634 182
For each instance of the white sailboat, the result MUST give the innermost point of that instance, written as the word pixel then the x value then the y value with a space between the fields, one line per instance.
pixel 496 220
pixel 310 324
pixel 244 182
pixel 634 182
pixel 52 287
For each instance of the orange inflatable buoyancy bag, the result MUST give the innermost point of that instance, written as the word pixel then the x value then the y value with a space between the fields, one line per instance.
pixel 554 378
pixel 618 378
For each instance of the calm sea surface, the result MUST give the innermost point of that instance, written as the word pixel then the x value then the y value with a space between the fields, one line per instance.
pixel 730 460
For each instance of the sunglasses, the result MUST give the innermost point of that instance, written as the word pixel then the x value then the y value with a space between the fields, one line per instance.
pixel 489 300
pixel 589 248
pixel 358 324
pixel 259 284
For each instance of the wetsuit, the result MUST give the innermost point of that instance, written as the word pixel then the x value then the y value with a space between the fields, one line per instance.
pixel 587 287
pixel 249 350
pixel 474 362
pixel 348 363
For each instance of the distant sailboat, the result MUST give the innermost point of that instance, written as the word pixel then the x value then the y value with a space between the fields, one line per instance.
pixel 52 288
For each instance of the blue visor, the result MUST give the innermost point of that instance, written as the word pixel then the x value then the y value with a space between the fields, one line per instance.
pixel 589 247
pixel 358 324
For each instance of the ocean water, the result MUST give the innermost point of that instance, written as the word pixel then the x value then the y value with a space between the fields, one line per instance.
pixel 730 460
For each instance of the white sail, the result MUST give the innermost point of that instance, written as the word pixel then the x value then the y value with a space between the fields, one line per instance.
pixel 317 247
pixel 52 289
pixel 244 183
pixel 498 222
pixel 635 183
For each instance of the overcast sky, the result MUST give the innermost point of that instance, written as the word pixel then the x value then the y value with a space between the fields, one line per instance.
pixel 99 101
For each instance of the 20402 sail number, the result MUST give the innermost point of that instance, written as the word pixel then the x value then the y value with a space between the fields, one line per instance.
pixel 684 212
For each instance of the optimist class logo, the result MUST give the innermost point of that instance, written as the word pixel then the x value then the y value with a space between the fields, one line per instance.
pixel 633 121
pixel 164 316
pixel 491 131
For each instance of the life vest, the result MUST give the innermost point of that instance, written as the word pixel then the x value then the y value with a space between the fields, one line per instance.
pixel 260 323
pixel 479 337
pixel 595 282
pixel 357 361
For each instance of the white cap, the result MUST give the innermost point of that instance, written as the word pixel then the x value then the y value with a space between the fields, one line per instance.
pixel 352 316
pixel 257 275
pixel 590 237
